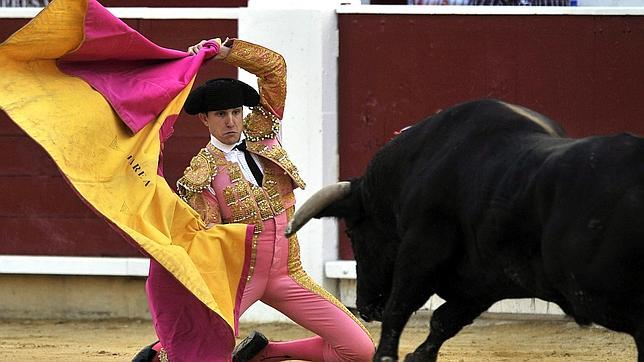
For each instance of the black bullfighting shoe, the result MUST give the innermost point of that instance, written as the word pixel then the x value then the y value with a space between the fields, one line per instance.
pixel 147 354
pixel 249 347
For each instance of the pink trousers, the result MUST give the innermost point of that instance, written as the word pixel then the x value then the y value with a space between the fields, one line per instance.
pixel 277 281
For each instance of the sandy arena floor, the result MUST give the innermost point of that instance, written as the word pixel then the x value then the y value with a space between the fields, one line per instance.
pixel 486 340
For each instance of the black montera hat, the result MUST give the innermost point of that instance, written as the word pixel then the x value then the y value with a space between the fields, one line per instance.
pixel 220 93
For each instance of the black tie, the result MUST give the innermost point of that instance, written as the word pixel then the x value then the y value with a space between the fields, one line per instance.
pixel 257 173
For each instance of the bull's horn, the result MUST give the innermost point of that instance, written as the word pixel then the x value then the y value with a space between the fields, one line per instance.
pixel 318 202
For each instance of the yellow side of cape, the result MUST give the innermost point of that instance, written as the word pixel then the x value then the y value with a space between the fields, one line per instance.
pixel 112 170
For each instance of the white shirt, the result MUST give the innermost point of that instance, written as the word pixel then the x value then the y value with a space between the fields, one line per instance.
pixel 237 156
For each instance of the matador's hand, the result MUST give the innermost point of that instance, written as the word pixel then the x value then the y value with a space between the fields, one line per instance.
pixel 216 42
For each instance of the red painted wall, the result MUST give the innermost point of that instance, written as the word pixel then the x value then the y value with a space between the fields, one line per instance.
pixel 39 212
pixel 584 71
pixel 394 70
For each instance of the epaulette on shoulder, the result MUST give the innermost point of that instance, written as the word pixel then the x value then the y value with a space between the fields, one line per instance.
pixel 260 124
pixel 198 175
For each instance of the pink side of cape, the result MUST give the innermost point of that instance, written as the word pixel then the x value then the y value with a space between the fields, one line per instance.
pixel 137 77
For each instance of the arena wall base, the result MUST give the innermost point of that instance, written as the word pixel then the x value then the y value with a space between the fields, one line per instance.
pixel 106 297
pixel 344 272
pixel 72 297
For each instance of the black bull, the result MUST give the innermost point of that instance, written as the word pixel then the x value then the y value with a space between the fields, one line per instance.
pixel 487 201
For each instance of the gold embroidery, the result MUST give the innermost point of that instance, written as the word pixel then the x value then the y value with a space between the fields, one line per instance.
pixel 217 155
pixel 252 204
pixel 268 66
pixel 272 190
pixel 163 355
pixel 229 196
pixel 198 175
pixel 261 199
pixel 235 173
pixel 279 156
pixel 206 211
pixel 253 254
pixel 297 273
pixel 261 125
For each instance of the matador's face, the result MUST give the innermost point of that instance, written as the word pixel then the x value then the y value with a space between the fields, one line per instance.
pixel 226 125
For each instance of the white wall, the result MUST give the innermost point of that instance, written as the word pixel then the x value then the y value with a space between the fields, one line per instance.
pixel 305 33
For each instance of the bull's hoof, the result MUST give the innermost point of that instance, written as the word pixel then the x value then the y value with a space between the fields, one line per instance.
pixel 387 359
pixel 420 357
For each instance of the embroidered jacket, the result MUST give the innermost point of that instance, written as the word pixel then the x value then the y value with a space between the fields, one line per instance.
pixel 215 187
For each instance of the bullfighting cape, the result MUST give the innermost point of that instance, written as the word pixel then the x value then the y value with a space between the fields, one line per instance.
pixel 101 99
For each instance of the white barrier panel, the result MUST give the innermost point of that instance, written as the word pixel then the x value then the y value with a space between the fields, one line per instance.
pixel 305 33
pixel 73 265
pixel 345 271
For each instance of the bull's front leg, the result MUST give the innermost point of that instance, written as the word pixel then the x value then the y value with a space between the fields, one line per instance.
pixel 447 320
pixel 401 304
pixel 412 285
